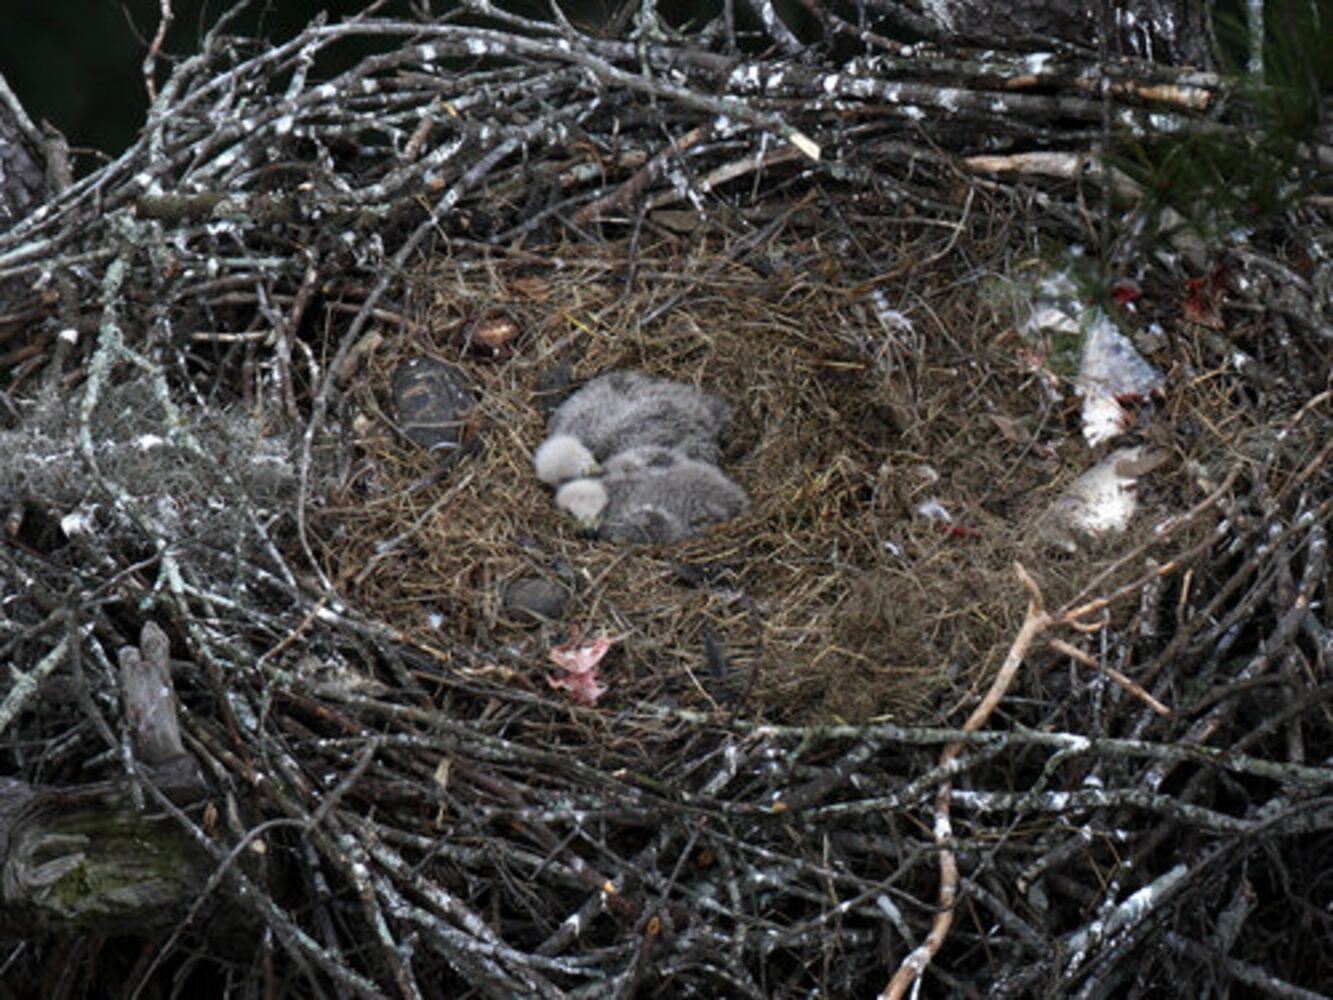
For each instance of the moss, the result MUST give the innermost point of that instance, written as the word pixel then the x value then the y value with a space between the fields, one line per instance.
pixel 98 867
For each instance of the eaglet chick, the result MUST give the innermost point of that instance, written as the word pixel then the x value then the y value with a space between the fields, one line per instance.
pixel 652 495
pixel 623 410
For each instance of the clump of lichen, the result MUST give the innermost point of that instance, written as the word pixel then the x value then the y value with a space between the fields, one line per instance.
pixel 179 473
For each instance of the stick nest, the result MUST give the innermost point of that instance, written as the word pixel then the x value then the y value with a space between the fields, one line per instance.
pixel 758 804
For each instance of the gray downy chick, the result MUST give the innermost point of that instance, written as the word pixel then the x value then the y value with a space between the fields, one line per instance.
pixel 639 501
pixel 651 456
pixel 622 410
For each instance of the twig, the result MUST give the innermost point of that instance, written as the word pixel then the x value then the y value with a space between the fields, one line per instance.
pixel 1060 646
pixel 1034 623
pixel 164 21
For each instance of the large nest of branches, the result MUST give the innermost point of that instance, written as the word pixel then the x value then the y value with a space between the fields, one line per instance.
pixel 907 713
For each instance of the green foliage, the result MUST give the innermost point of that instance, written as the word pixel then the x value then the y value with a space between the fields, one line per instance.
pixel 1246 167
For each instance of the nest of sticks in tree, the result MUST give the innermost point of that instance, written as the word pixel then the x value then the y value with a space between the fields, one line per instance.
pixel 839 597
pixel 777 794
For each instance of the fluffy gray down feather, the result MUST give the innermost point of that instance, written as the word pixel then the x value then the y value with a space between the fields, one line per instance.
pixel 623 410
pixel 666 498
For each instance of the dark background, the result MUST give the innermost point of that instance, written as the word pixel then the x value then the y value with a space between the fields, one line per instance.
pixel 78 63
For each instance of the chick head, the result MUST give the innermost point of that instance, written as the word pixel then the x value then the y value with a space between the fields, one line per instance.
pixel 562 457
pixel 584 499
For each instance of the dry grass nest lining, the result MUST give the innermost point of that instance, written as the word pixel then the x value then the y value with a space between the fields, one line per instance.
pixel 833 598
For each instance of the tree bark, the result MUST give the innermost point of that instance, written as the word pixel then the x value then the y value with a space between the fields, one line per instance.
pixel 91 857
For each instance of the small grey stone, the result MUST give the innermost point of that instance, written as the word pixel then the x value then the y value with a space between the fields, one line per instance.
pixel 533 598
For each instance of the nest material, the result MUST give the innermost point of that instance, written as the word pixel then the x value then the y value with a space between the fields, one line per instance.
pixel 802 595
pixel 836 599
pixel 433 815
